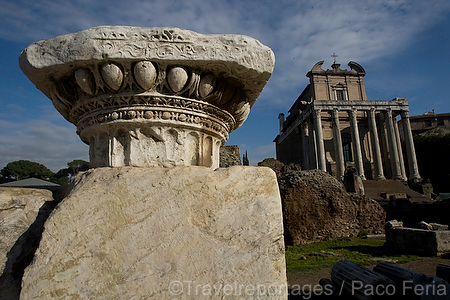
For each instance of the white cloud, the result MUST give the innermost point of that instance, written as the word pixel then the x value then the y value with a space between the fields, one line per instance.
pixel 361 31
pixel 300 33
pixel 40 141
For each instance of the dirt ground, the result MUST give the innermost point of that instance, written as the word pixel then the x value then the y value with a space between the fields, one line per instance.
pixel 306 279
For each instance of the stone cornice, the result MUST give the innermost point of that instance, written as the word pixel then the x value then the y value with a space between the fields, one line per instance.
pixel 397 105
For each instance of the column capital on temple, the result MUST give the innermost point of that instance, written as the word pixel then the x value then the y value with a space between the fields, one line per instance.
pixel 404 114
pixel 352 112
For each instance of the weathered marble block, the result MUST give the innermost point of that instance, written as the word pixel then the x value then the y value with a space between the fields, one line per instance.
pixel 150 96
pixel 426 242
pixel 158 233
pixel 22 215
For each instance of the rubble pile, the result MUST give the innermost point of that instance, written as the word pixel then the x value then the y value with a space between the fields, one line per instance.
pixel 316 207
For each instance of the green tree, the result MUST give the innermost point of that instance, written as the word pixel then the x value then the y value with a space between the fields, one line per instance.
pixel 23 169
pixel 76 166
pixel 61 177
pixel 245 161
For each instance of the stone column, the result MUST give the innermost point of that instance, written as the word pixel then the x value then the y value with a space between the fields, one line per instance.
pixel 313 163
pixel 356 144
pixel 378 164
pixel 399 148
pixel 319 140
pixel 397 173
pixel 305 145
pixel 338 144
pixel 410 150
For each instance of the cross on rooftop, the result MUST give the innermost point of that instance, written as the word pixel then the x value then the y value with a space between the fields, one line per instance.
pixel 334 56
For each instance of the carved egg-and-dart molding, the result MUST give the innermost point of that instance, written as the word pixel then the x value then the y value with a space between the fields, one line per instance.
pixel 150 96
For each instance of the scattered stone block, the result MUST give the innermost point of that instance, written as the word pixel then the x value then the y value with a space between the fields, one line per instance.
pixel 425 226
pixel 437 226
pixel 23 212
pixel 394 196
pixel 392 224
pixel 425 242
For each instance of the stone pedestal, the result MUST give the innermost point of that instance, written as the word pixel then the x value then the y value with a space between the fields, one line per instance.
pixel 155 233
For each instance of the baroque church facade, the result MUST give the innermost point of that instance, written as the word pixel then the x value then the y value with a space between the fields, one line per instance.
pixel 332 126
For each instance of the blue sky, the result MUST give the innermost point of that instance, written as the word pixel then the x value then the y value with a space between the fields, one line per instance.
pixel 404 46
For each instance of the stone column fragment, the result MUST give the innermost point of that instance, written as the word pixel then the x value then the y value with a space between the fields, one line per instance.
pixel 412 284
pixel 356 280
pixel 150 96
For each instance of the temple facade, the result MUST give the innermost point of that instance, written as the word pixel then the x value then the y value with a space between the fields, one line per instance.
pixel 332 126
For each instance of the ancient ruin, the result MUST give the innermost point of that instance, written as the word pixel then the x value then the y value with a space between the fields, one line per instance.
pixel 350 280
pixel 150 96
pixel 22 213
pixel 156 219
pixel 431 239
pixel 332 126
pixel 317 207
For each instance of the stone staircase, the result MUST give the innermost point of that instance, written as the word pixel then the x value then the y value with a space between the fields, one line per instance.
pixel 374 189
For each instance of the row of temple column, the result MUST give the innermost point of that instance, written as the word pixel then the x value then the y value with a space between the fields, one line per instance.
pixel 393 140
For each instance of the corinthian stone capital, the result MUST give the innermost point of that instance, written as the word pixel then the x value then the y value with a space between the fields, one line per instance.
pixel 150 96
